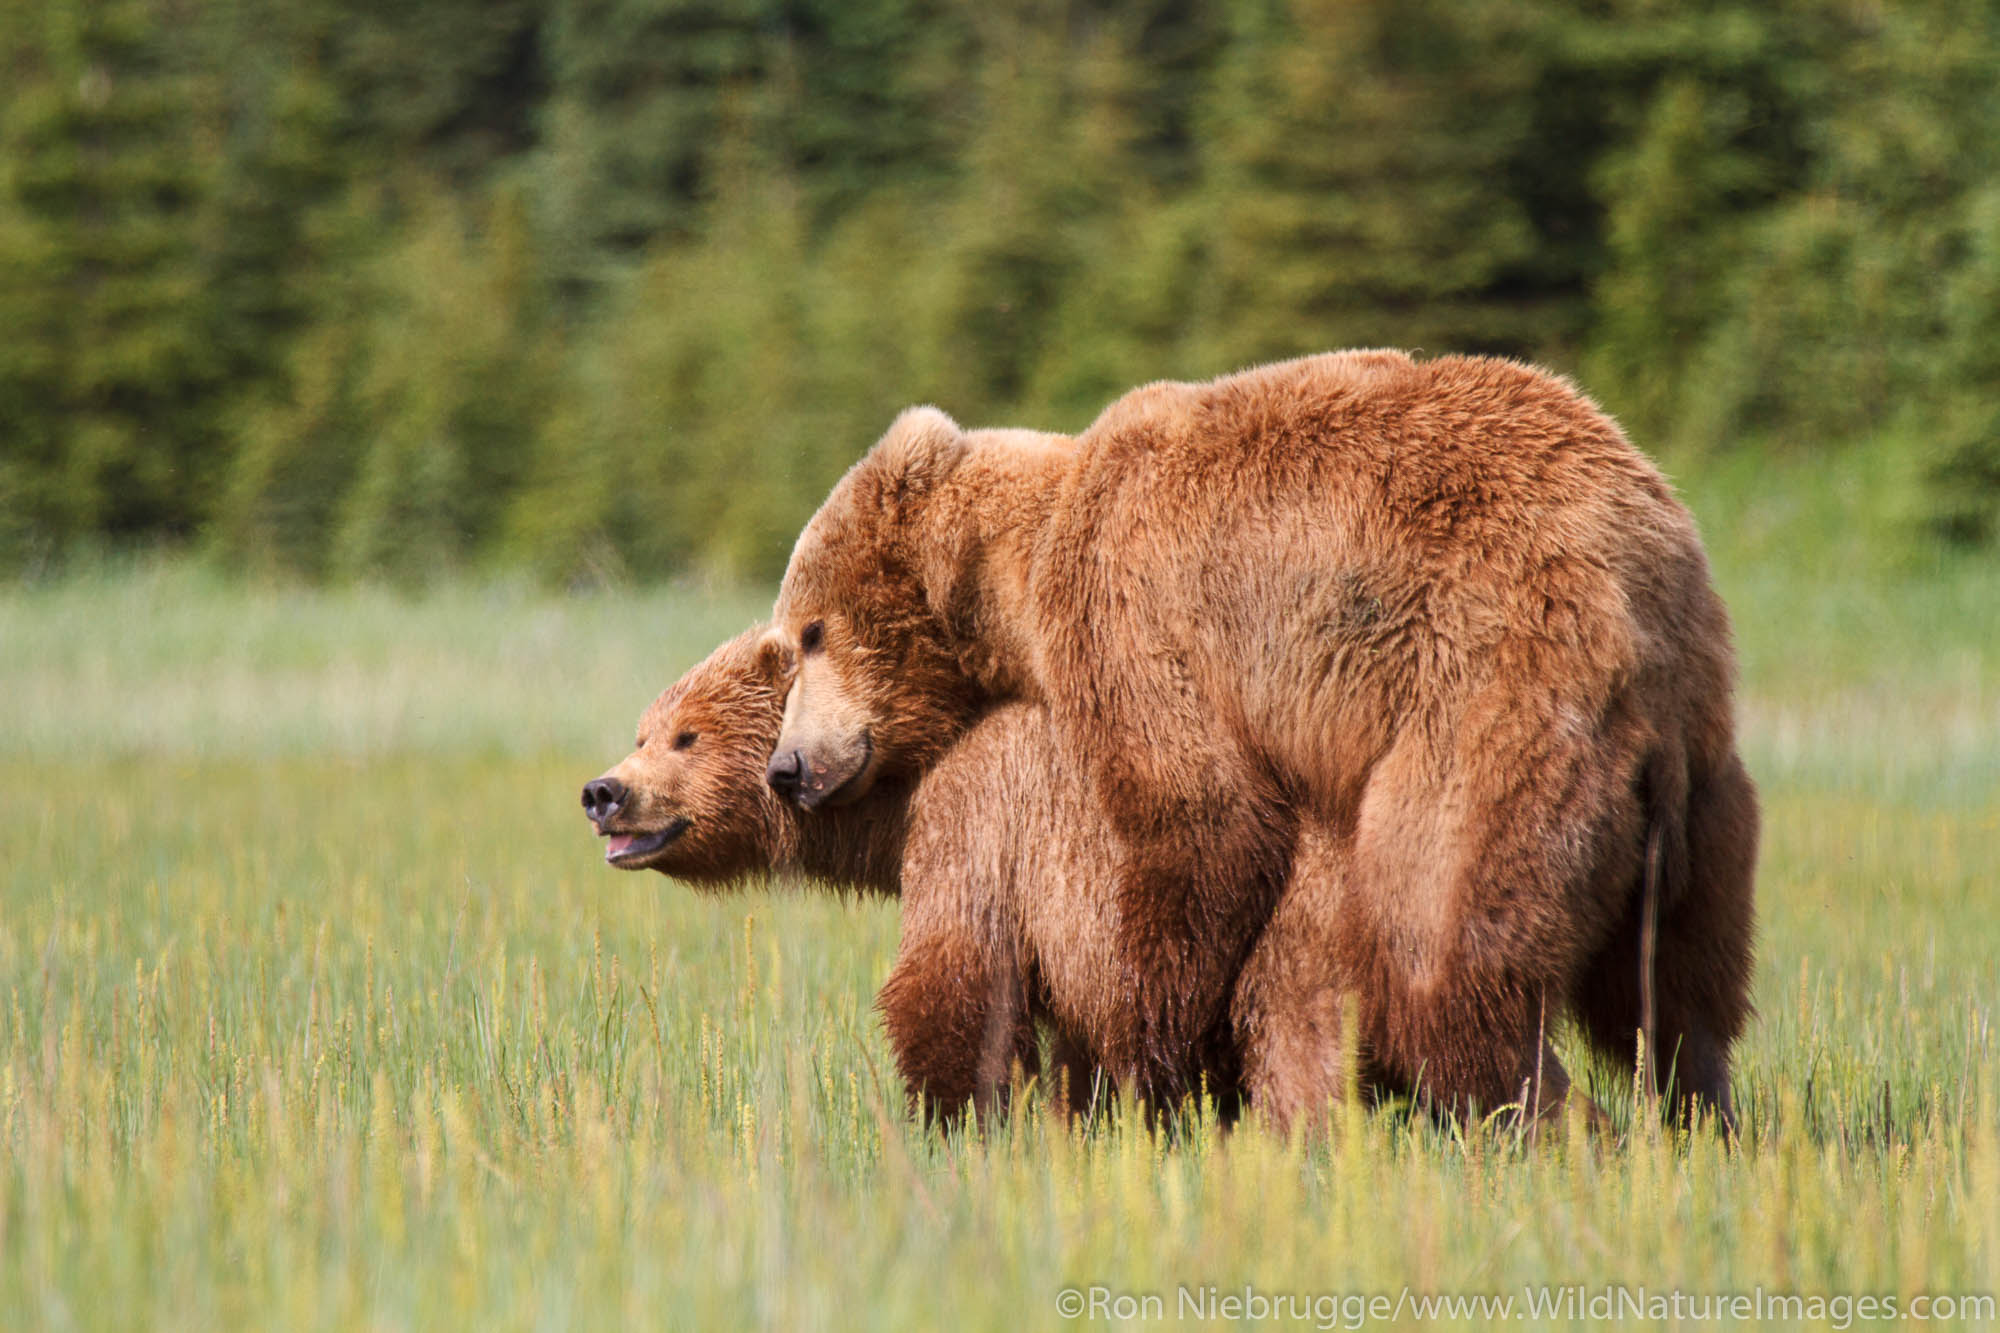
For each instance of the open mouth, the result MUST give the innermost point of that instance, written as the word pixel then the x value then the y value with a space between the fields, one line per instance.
pixel 626 849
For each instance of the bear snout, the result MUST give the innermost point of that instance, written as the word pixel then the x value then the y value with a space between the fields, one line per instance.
pixel 787 771
pixel 806 776
pixel 603 798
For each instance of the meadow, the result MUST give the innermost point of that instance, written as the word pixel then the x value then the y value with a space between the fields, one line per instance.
pixel 318 1009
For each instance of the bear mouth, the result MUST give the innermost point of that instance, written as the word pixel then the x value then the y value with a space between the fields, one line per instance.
pixel 627 850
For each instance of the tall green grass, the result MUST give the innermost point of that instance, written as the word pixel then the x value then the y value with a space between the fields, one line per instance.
pixel 318 1010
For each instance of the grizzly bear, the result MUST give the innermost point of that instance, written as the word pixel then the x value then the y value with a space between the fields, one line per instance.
pixel 1005 894
pixel 1437 622
pixel 1005 874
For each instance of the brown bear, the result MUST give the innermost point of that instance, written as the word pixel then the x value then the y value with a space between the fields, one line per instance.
pixel 1005 871
pixel 1004 875
pixel 1439 618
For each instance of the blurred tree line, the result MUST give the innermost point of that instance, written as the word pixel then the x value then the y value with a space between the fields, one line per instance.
pixel 616 288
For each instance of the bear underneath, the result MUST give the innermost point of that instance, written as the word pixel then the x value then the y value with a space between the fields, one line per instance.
pixel 1005 873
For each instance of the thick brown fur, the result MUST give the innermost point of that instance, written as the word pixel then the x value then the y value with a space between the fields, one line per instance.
pixel 1436 628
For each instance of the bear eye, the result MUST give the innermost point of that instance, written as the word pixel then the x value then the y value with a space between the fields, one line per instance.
pixel 639 743
pixel 810 637
pixel 684 740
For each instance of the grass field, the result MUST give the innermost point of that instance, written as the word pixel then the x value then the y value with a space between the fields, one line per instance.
pixel 317 1008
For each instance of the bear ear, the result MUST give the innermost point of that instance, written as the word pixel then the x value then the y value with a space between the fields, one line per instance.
pixel 918 451
pixel 772 658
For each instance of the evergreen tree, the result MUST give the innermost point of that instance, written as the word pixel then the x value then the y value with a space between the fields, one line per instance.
pixel 1673 241
pixel 689 435
pixel 452 389
pixel 1848 279
pixel 111 367
pixel 621 285
pixel 454 89
pixel 297 235
pixel 1964 476
pixel 1355 157
pixel 296 455
pixel 635 97
pixel 1004 248
pixel 863 97
pixel 1131 247
pixel 284 197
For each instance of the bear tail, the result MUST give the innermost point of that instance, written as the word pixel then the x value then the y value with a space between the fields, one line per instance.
pixel 1662 882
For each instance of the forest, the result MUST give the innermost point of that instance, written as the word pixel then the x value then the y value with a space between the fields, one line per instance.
pixel 612 290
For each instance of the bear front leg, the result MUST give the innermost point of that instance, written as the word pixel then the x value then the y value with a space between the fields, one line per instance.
pixel 955 1007
pixel 1198 874
pixel 1203 832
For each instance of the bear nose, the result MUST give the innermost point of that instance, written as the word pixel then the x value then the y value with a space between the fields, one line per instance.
pixel 603 798
pixel 786 772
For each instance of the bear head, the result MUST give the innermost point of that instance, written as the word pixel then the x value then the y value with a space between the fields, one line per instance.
pixel 690 800
pixel 879 686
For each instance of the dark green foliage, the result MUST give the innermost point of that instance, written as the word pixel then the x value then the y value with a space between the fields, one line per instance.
pixel 1838 322
pixel 455 373
pixel 110 365
pixel 637 92
pixel 1965 478
pixel 616 288
pixel 1357 153
pixel 1674 235
pixel 688 434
